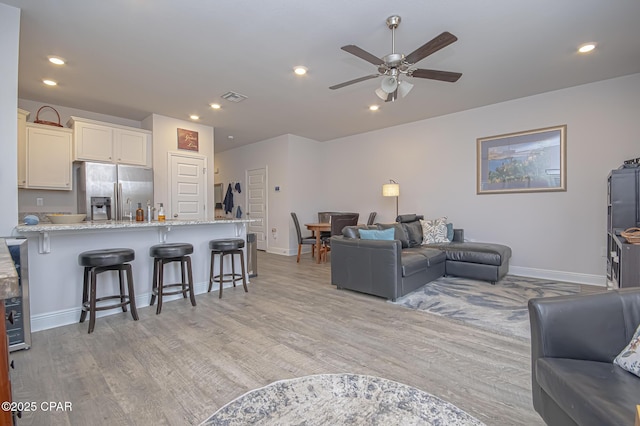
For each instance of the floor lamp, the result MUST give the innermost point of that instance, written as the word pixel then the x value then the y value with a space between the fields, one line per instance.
pixel 391 189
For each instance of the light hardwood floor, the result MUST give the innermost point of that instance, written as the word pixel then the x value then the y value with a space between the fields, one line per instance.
pixel 179 367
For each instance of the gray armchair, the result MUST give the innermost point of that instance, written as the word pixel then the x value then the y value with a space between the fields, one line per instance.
pixel 574 340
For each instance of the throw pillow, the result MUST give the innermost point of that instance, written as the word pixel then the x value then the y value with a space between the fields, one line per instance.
pixel 414 232
pixel 377 234
pixel 400 233
pixel 450 232
pixel 434 231
pixel 629 358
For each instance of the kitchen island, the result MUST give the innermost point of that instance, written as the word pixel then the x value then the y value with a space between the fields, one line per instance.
pixel 56 277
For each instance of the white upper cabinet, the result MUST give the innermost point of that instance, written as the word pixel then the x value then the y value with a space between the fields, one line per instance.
pixel 111 143
pixel 48 157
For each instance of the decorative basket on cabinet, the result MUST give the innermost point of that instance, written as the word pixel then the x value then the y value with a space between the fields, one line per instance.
pixel 48 123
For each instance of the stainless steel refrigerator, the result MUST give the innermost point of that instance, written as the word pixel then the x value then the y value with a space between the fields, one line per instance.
pixel 113 191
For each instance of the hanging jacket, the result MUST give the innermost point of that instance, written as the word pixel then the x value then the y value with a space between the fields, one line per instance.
pixel 238 188
pixel 228 200
pixel 238 213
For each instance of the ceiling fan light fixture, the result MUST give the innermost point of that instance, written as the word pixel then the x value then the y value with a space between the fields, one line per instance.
pixel 389 84
pixel 404 87
pixel 381 94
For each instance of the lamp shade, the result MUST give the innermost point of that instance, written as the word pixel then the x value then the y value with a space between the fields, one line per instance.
pixel 391 190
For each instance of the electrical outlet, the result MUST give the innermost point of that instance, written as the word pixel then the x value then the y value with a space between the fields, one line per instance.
pixel 39 201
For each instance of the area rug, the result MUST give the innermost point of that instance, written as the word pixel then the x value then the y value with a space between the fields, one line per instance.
pixel 339 399
pixel 501 308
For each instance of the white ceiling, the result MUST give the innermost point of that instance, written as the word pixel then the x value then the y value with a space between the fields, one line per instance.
pixel 132 58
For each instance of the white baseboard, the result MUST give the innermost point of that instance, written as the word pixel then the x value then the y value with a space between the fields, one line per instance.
pixel 71 316
pixel 570 277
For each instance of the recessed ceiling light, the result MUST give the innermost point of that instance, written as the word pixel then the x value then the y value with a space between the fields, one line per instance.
pixel 215 106
pixel 300 70
pixel 374 107
pixel 587 47
pixel 50 82
pixel 230 137
pixel 56 60
pixel 194 117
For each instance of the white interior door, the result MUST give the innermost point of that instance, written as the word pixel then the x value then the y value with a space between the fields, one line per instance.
pixel 257 205
pixel 188 187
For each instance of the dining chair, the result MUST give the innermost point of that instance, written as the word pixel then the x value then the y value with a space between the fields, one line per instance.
pixel 372 217
pixel 303 240
pixel 338 222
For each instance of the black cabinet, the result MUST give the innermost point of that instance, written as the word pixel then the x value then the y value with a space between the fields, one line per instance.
pixel 623 211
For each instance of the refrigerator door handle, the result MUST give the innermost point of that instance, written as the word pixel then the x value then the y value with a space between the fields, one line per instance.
pixel 120 202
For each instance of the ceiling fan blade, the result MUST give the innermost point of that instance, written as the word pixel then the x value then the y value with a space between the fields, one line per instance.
pixel 439 42
pixel 356 80
pixel 451 77
pixel 362 54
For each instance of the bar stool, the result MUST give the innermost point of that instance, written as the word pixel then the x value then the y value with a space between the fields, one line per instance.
pixel 223 247
pixel 97 261
pixel 167 253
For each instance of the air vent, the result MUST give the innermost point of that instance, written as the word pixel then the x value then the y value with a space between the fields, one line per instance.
pixel 234 97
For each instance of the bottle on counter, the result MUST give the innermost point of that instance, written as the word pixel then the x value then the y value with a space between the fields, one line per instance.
pixel 139 213
pixel 161 217
pixel 150 210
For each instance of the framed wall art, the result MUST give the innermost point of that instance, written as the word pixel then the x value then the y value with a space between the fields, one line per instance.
pixel 531 161
pixel 188 139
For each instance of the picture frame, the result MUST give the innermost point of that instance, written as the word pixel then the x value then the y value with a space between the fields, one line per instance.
pixel 188 139
pixel 529 161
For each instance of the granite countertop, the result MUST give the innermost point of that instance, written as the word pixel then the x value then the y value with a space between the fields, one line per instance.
pixel 8 275
pixel 82 226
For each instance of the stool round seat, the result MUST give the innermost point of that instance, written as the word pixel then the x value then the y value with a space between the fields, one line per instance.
pixel 170 250
pixel 226 244
pixel 106 257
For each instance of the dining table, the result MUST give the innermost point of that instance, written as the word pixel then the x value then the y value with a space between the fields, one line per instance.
pixel 316 229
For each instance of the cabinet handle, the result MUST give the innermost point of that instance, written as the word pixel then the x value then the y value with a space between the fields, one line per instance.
pixel 10 317
pixel 175 215
pixel 12 366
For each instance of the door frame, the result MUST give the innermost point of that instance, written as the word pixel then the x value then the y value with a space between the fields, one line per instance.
pixel 170 155
pixel 266 200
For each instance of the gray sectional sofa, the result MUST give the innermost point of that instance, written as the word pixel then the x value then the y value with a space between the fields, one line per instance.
pixel 393 268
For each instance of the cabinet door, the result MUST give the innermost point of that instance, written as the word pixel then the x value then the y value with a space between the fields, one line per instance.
pixel 130 146
pixel 48 158
pixel 93 142
pixel 22 148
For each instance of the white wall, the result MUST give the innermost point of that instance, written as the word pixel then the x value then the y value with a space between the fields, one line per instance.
pixel 559 235
pixel 165 140
pixel 294 164
pixel 9 41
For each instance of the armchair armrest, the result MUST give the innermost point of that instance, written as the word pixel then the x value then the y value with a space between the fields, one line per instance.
pixel 369 266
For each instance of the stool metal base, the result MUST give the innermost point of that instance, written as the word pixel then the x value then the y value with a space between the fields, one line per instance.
pixel 229 277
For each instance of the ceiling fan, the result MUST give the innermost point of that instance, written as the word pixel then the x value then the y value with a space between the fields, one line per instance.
pixel 395 64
